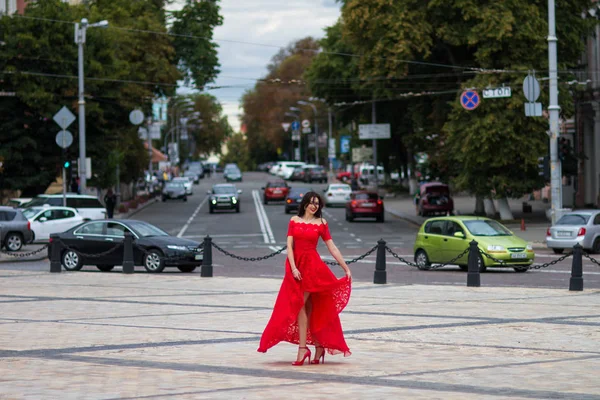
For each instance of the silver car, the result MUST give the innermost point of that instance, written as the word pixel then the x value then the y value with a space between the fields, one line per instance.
pixel 576 227
pixel 15 229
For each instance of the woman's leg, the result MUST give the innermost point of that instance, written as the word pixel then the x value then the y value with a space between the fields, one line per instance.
pixel 308 305
pixel 302 327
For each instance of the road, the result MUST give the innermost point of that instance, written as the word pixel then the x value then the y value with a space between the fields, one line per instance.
pixel 259 230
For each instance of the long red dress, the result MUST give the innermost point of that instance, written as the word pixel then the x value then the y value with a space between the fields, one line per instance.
pixel 329 295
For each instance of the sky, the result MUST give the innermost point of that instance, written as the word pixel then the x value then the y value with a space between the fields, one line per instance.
pixel 271 23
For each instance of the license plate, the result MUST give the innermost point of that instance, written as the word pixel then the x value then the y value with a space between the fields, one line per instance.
pixel 368 204
pixel 563 234
pixel 277 192
pixel 518 255
pixel 198 257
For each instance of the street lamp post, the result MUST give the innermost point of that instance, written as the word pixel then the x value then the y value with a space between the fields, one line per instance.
pixel 80 30
pixel 330 123
pixel 314 108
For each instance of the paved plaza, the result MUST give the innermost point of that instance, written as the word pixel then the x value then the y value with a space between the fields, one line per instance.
pixel 92 335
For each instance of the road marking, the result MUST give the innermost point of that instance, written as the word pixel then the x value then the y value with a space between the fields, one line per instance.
pixel 352 234
pixel 263 220
pixel 358 240
pixel 276 249
pixel 189 221
pixel 233 235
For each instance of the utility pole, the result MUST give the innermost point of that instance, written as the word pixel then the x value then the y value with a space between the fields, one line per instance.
pixel 554 109
pixel 80 40
pixel 329 118
pixel 374 121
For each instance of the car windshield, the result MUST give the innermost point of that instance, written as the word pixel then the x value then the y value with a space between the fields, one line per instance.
pixel 574 219
pixel 366 196
pixel 174 185
pixel 296 193
pixel 36 202
pixel 486 228
pixel 146 230
pixel 276 185
pixel 223 190
pixel 340 187
pixel 30 212
pixel 232 171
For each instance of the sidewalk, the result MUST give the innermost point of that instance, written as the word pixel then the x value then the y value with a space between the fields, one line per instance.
pixel 179 336
pixel 536 223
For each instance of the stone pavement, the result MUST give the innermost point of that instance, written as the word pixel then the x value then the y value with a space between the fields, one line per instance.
pixel 88 335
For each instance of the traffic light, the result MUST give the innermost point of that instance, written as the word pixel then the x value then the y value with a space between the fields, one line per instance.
pixel 544 167
pixel 67 164
pixel 564 148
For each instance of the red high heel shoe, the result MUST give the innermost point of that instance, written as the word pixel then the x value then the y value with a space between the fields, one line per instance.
pixel 321 358
pixel 306 355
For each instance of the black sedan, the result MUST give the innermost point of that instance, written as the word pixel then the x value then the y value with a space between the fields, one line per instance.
pixel 224 196
pixel 294 198
pixel 174 191
pixel 97 243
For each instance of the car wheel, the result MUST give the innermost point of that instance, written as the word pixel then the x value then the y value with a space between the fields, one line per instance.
pixel 422 260
pixel 13 241
pixel 558 251
pixel 381 218
pixel 211 210
pixel 154 262
pixel 185 198
pixel 105 268
pixel 71 260
pixel 237 208
pixel 596 246
pixel 186 269
pixel 521 269
pixel 287 211
pixel 265 201
pixel 164 199
pixel 350 217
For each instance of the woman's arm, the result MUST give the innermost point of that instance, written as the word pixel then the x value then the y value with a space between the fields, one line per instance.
pixel 335 252
pixel 290 253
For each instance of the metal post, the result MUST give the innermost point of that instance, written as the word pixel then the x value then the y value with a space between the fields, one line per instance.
pixel 554 109
pixel 207 269
pixel 380 275
pixel 150 168
pixel 329 119
pixel 316 138
pixel 473 278
pixel 64 175
pixel 80 40
pixel 576 282
pixel 374 121
pixel 128 253
pixel 55 250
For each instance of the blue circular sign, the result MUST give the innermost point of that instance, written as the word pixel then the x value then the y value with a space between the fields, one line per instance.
pixel 295 125
pixel 470 100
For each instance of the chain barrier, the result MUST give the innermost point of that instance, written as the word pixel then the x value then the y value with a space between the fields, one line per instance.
pixel 354 260
pixel 593 260
pixel 23 255
pixel 429 267
pixel 537 266
pixel 248 258
pixel 96 255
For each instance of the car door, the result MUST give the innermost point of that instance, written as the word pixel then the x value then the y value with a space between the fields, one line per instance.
pixel 65 219
pixel 89 240
pixel 43 225
pixel 452 245
pixel 115 234
pixel 433 238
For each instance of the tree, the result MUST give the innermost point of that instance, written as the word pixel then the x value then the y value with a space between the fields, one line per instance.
pixel 237 152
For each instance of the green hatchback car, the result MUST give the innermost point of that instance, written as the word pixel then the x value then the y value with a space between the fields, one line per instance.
pixel 439 240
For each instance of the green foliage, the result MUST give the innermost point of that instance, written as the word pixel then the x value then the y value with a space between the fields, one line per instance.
pixel 237 152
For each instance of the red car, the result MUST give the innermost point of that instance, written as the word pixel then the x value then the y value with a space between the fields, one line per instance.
pixel 344 176
pixel 435 199
pixel 365 205
pixel 275 191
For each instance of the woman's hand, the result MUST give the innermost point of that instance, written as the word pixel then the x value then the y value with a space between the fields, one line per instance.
pixel 296 274
pixel 349 274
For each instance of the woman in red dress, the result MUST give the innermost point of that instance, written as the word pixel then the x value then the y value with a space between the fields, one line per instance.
pixel 311 296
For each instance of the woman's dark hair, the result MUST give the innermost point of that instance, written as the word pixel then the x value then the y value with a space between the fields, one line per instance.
pixel 306 201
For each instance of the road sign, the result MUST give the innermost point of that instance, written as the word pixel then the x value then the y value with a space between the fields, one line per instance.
pixel 286 126
pixel 297 154
pixel 533 109
pixel 142 133
pixel 306 130
pixel 531 88
pixel 155 132
pixel 496 93
pixel 64 139
pixel 136 117
pixel 331 148
pixel 374 131
pixel 345 144
pixel 64 118
pixel 470 100
pixel 295 136
pixel 295 125
pixel 362 154
pixel 305 123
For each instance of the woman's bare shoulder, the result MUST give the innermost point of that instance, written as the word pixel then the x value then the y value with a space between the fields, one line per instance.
pixel 295 218
pixel 324 221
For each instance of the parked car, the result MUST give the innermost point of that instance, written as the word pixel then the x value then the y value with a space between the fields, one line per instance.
pixel 174 191
pixel 435 199
pixel 314 173
pixel 224 196
pixel 51 219
pixel 275 168
pixel 441 239
pixel 294 198
pixel 15 229
pixel 577 227
pixel 193 175
pixel 286 168
pixel 153 248
pixel 197 168
pixel 18 202
pixel 365 205
pixel 297 175
pixel 275 191
pixel 232 174
pixel 89 207
pixel 337 194
pixel 344 176
pixel 265 167
pixel 187 184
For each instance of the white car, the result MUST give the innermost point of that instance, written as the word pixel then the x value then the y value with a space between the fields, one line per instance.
pixel 46 220
pixel 89 207
pixel 274 170
pixel 187 183
pixel 337 194
pixel 287 168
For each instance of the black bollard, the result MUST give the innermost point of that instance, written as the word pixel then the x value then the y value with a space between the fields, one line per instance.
pixel 55 250
pixel 380 275
pixel 207 269
pixel 128 266
pixel 473 270
pixel 576 282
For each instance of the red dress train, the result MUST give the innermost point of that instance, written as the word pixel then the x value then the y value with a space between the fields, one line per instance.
pixel 329 296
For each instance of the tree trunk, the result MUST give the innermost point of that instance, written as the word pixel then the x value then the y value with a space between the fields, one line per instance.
pixel 479 207
pixel 413 186
pixel 490 208
pixel 504 208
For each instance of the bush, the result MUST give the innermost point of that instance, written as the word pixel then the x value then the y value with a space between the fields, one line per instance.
pixel 123 208
pixel 133 204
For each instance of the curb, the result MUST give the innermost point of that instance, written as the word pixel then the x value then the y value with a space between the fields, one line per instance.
pixel 405 217
pixel 130 214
